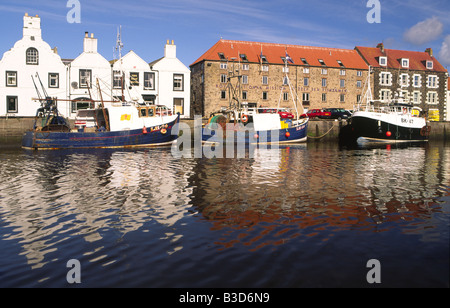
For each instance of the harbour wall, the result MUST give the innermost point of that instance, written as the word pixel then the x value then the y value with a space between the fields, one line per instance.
pixel 12 129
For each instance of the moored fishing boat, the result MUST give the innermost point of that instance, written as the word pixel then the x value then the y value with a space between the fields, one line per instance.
pixel 117 125
pixel 392 121
pixel 240 124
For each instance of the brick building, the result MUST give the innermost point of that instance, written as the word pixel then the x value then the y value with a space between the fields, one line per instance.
pixel 417 75
pixel 322 77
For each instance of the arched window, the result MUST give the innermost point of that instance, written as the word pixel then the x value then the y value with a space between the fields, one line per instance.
pixel 32 56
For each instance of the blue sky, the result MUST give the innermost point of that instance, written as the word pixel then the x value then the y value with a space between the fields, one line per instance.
pixel 195 25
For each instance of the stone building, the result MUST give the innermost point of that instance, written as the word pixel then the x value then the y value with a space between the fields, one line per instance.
pixel 418 76
pixel 321 77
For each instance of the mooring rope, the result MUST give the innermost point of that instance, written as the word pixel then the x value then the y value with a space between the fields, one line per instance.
pixel 318 137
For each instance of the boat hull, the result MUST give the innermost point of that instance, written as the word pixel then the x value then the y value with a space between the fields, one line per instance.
pixel 294 134
pixel 160 135
pixel 374 127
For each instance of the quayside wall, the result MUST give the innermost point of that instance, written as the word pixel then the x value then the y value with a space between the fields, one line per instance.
pixel 318 130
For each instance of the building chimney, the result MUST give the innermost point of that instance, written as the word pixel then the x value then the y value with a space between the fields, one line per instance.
pixel 170 51
pixel 381 47
pixel 429 51
pixel 90 43
pixel 32 26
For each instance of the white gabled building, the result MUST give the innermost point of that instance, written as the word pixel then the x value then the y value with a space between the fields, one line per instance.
pixel 139 80
pixel 173 81
pixel 30 57
pixel 84 72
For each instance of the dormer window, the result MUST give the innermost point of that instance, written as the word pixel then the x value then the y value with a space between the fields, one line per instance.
pixel 340 63
pixel 222 56
pixel 243 58
pixel 430 65
pixel 322 62
pixel 383 61
pixel 304 61
pixel 405 63
pixel 264 59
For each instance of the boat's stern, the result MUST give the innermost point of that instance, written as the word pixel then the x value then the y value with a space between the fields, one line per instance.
pixel 27 140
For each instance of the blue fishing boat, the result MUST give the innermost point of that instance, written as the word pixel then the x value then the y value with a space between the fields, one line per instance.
pixel 113 125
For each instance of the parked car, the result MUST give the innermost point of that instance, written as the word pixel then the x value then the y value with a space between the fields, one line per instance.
pixel 317 113
pixel 339 113
pixel 284 113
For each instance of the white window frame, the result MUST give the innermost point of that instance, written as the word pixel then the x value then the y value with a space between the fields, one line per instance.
pixel 244 79
pixel 405 62
pixel 265 80
pixel 245 67
pixel 385 95
pixel 324 71
pixel 53 77
pixel 387 80
pixel 429 65
pixel 432 81
pixel 306 70
pixel 382 61
pixel 11 79
pixel 432 98
pixel 416 97
pixel 417 83
pixel 223 66
pixel 265 68
pixel 403 80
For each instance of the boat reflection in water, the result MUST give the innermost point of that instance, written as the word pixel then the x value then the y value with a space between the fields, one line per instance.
pixel 282 217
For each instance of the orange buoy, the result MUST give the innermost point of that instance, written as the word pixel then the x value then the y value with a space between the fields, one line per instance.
pixel 388 134
pixel 288 134
pixel 144 130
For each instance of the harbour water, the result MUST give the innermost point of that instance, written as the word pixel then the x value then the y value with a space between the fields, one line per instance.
pixel 309 215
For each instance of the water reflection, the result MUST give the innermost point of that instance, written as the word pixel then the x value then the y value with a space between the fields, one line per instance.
pixel 312 189
pixel 69 203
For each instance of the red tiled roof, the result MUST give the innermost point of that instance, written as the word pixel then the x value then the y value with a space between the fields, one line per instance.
pixel 274 53
pixel 417 59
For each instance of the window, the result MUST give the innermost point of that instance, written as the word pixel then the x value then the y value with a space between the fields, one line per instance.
pixel 385 95
pixel 324 97
pixel 342 98
pixel 342 72
pixel 223 94
pixel 244 79
pixel 32 55
pixel 306 81
pixel 244 95
pixel 416 97
pixel 53 80
pixel 11 79
pixel 223 78
pixel 322 62
pixel 264 95
pixel 417 81
pixel 149 81
pixel 359 73
pixel 340 63
pixel 385 79
pixel 178 104
pixel 223 66
pixel 221 56
pixel 305 97
pixel 245 67
pixel 85 78
pixel 285 96
pixel 342 83
pixel 432 98
pixel 265 68
pixel 430 65
pixel 324 82
pixel 358 98
pixel 432 81
pixel 306 70
pixel 324 71
pixel 383 61
pixel 264 59
pixel 405 63
pixel 117 79
pixel 265 80
pixel 304 61
pixel 285 81
pixel 404 80
pixel 12 104
pixel 359 84
pixel 243 58
pixel 178 82
pixel 134 79
pixel 285 69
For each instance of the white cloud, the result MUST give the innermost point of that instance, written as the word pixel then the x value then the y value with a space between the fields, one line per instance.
pixel 444 53
pixel 424 32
